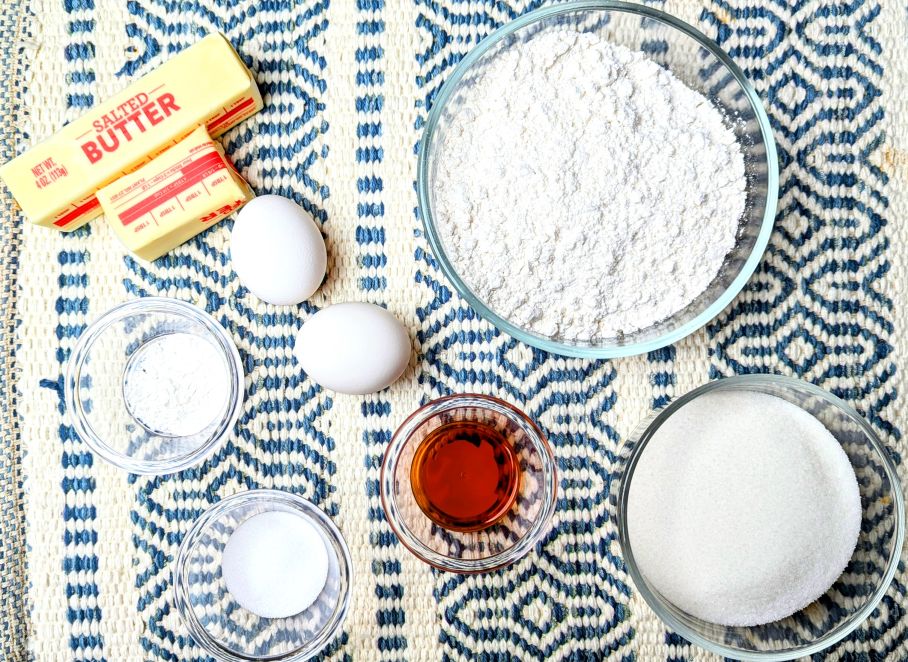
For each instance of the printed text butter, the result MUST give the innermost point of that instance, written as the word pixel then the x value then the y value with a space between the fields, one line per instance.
pixel 55 182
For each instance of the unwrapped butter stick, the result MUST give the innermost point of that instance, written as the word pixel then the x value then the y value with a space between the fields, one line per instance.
pixel 180 193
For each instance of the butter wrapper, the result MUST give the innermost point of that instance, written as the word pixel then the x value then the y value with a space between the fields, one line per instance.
pixel 207 85
pixel 179 194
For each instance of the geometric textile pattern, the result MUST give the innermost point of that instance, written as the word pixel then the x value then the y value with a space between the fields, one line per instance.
pixel 86 550
pixel 819 306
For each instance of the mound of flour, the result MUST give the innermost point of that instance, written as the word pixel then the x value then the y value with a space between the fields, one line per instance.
pixel 582 191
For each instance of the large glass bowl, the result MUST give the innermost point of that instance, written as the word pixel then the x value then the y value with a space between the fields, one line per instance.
pixel 691 57
pixel 865 580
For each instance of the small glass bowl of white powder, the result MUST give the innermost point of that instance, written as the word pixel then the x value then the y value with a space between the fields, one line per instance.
pixel 154 385
pixel 597 179
pixel 263 575
pixel 759 517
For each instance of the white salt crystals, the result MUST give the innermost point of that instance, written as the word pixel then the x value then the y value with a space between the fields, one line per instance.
pixel 275 564
pixel 743 509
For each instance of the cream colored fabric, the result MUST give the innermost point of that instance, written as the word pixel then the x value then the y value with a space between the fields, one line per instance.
pixel 100 543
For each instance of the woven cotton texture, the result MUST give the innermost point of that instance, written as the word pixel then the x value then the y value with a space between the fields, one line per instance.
pixel 347 87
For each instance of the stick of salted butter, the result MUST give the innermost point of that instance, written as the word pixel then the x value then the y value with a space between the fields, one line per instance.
pixel 180 193
pixel 207 84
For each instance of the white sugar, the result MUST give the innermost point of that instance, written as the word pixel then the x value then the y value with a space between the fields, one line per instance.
pixel 743 509
pixel 275 564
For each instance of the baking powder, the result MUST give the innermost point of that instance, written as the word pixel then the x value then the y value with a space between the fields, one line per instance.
pixel 176 384
pixel 582 191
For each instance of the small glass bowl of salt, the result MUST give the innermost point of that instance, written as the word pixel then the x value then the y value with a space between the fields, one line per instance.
pixel 154 386
pixel 263 575
pixel 759 516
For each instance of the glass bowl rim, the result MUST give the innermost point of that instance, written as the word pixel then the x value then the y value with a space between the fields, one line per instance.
pixel 593 351
pixel 151 305
pixel 314 515
pixel 656 603
pixel 439 561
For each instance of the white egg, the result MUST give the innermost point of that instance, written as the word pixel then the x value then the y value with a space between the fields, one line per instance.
pixel 277 250
pixel 354 348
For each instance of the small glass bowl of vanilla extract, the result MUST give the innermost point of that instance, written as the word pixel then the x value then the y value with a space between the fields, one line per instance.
pixel 468 483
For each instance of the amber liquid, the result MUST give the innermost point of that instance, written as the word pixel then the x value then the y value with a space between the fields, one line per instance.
pixel 465 476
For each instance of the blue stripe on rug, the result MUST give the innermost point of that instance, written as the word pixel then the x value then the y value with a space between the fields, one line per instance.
pixel 369 55
pixel 80 537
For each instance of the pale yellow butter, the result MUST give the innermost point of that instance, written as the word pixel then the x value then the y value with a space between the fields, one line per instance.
pixel 180 193
pixel 207 84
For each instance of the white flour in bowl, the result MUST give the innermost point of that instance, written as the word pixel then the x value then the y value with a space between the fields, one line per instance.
pixel 582 191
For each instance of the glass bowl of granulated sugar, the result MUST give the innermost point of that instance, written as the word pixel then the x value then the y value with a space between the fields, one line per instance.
pixel 597 179
pixel 759 516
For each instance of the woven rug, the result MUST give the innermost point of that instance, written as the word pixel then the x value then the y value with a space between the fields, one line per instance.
pixel 85 549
